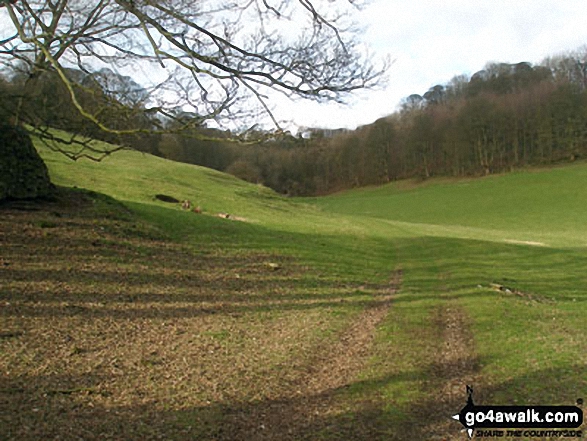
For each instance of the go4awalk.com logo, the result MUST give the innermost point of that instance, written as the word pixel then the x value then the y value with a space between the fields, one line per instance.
pixel 520 421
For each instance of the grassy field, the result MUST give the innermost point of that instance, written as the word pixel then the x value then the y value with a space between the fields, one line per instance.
pixel 361 315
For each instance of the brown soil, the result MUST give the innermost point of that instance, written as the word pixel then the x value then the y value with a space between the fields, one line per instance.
pixel 337 366
pixel 312 397
pixel 455 367
pixel 109 331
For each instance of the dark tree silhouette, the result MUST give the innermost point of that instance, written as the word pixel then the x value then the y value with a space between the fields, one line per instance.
pixel 209 57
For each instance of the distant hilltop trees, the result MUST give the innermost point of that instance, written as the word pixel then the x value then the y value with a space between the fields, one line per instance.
pixel 501 118
pixel 319 133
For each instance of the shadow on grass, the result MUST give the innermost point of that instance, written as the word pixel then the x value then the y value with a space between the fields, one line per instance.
pixel 74 408
pixel 121 279
pixel 96 270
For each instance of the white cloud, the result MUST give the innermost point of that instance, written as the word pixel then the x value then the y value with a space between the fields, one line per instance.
pixel 432 41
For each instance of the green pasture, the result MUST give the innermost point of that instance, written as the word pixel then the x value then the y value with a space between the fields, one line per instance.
pixel 508 251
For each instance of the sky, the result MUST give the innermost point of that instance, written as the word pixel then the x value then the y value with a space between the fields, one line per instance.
pixel 431 41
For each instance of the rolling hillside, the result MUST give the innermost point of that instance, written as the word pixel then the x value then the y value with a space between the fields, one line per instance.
pixel 533 205
pixel 361 315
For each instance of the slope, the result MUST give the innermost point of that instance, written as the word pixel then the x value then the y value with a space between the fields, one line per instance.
pixel 357 316
pixel 534 205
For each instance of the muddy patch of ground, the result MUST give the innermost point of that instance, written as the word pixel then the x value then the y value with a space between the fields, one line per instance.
pixel 311 399
pixel 455 367
pixel 109 331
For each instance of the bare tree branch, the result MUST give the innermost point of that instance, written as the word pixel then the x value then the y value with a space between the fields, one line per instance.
pixel 211 62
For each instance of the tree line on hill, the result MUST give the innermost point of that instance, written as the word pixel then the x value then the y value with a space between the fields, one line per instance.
pixel 503 117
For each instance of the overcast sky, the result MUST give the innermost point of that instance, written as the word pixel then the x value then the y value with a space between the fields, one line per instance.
pixel 431 41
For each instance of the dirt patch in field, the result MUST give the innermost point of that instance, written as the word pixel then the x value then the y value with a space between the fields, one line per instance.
pixel 526 242
pixel 109 331
pixel 522 294
pixel 455 367
pixel 311 397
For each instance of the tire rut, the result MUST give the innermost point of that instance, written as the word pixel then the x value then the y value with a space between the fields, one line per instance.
pixel 332 368
pixel 346 357
pixel 456 366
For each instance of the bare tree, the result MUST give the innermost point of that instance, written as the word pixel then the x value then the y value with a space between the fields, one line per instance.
pixel 205 57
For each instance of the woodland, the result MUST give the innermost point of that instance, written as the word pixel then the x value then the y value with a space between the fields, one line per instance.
pixel 504 117
pixel 501 118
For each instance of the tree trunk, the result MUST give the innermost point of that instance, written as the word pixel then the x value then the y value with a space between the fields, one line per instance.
pixel 23 174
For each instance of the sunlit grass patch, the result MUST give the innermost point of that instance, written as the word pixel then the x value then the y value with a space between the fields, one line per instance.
pixel 183 324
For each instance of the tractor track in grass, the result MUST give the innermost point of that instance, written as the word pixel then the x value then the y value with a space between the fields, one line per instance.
pixel 330 370
pixel 336 366
pixel 455 366
pixel 138 338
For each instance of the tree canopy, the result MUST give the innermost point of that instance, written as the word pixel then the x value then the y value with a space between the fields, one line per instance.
pixel 504 117
pixel 208 58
